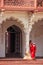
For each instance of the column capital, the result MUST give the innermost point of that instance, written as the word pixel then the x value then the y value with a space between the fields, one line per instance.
pixel 28 30
pixel 1 13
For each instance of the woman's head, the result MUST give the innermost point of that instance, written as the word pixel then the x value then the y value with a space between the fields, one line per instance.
pixel 30 41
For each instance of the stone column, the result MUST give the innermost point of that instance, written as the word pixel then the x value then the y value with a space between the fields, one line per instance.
pixel 27 35
pixel 1 16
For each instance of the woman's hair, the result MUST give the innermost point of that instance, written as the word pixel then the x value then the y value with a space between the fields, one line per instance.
pixel 30 41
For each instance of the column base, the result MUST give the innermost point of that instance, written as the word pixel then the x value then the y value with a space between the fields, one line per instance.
pixel 27 56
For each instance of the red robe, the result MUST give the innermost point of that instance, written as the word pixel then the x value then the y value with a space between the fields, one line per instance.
pixel 32 50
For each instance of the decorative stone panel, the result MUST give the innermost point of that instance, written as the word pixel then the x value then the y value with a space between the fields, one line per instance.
pixel 19 2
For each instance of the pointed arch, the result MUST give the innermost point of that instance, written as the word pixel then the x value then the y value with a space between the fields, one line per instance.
pixel 36 35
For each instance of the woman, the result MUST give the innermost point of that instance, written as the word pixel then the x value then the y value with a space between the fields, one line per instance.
pixel 32 49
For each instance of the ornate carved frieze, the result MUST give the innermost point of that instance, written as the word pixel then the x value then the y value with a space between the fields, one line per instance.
pixel 40 3
pixel 22 5
pixel 19 2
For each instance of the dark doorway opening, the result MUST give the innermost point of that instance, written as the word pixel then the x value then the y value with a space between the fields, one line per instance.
pixel 13 42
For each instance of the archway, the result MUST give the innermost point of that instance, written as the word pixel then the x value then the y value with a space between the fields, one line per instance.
pixel 12 22
pixel 13 41
pixel 37 37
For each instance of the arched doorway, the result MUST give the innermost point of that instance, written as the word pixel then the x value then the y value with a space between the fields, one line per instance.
pixel 37 37
pixel 13 41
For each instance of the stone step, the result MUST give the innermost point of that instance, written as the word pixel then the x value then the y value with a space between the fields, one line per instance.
pixel 12 61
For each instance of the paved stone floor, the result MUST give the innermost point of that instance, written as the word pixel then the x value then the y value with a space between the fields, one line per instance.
pixel 16 61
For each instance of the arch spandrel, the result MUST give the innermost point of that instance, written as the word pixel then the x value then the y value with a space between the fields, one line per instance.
pixel 35 18
pixel 10 21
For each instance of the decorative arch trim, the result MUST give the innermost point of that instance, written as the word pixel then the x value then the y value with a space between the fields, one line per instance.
pixel 14 21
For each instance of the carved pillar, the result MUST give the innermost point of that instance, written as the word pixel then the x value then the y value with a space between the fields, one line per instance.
pixel 1 16
pixel 27 43
pixel 27 35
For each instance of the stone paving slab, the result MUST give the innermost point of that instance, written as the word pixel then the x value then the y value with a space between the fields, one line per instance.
pixel 21 62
